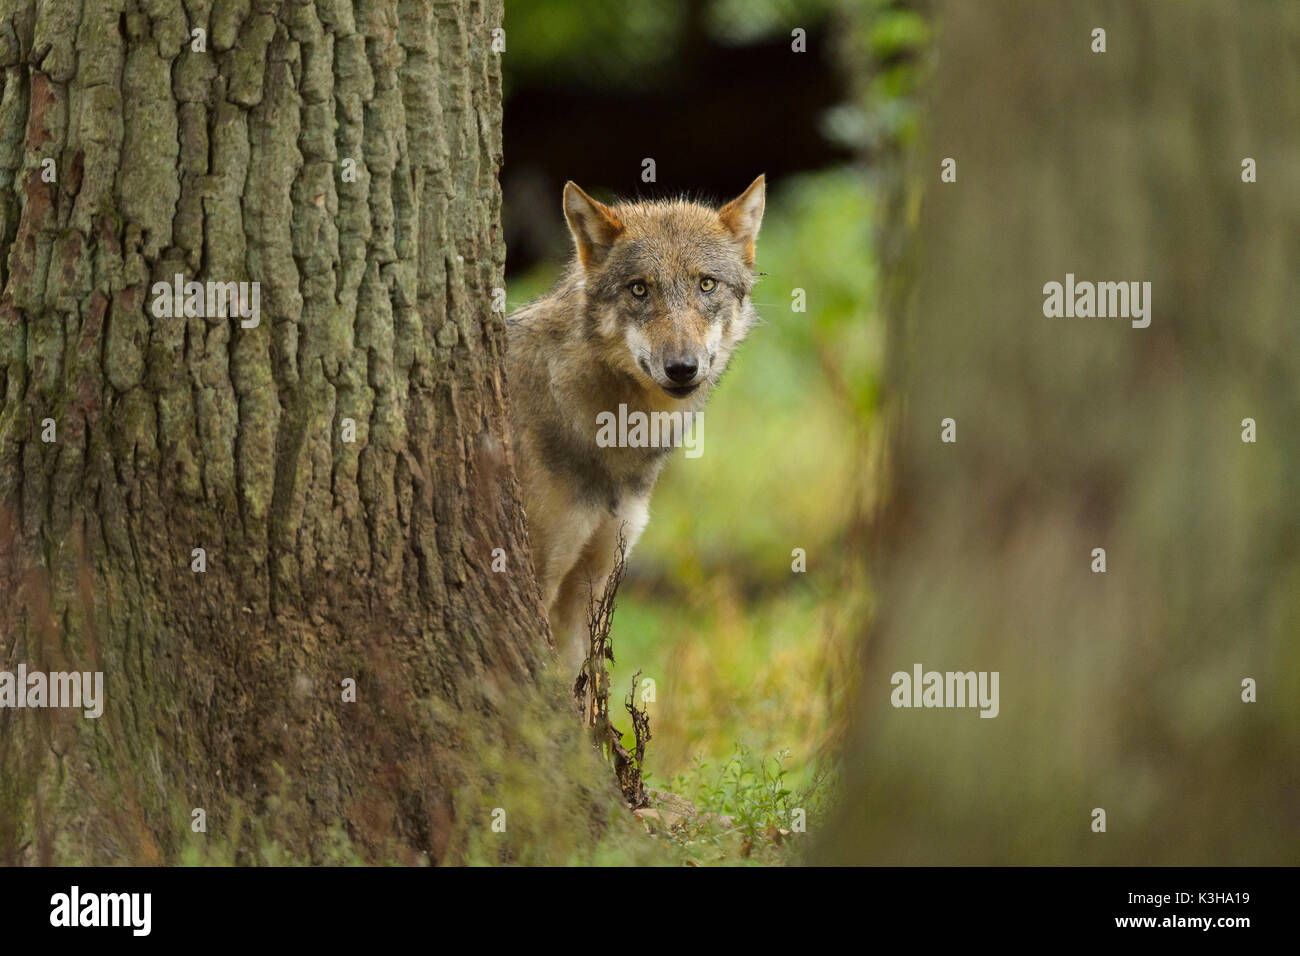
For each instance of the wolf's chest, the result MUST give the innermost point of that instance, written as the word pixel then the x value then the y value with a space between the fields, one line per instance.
pixel 599 475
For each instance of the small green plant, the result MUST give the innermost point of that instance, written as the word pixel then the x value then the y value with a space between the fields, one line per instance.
pixel 744 809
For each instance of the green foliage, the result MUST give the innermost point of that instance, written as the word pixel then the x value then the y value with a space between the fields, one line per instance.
pixel 617 44
pixel 749 790
pixel 751 21
pixel 607 43
pixel 883 46
pixel 746 810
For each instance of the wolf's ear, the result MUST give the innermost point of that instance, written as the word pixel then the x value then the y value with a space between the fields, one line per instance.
pixel 593 224
pixel 743 215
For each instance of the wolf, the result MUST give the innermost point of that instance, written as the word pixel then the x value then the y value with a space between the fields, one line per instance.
pixel 647 316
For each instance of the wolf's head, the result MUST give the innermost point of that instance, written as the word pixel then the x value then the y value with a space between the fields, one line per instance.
pixel 667 283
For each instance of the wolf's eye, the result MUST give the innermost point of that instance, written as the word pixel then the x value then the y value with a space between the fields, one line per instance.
pixel 638 289
pixel 708 284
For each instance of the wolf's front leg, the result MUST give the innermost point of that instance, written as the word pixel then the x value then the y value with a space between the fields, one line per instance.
pixel 584 584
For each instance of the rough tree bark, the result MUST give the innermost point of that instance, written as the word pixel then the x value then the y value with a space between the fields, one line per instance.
pixel 325 559
pixel 1120 691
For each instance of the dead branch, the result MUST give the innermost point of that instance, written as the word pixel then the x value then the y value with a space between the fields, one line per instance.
pixel 591 690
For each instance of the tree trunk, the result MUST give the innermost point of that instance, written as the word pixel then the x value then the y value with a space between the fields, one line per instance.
pixel 1123 690
pixel 326 559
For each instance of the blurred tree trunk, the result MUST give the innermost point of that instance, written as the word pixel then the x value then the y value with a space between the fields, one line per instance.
pixel 1123 690
pixel 326 559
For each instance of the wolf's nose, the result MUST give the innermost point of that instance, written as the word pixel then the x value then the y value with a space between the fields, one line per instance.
pixel 681 370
